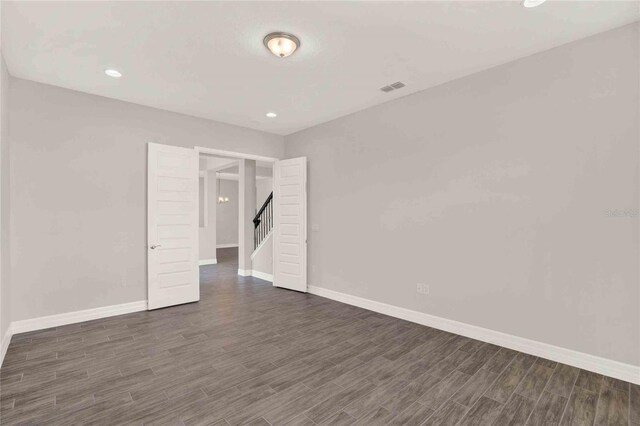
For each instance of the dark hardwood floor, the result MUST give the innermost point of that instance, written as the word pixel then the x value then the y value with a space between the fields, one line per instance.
pixel 249 353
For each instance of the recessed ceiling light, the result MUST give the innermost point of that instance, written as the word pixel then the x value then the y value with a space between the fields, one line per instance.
pixel 271 114
pixel 113 73
pixel 281 44
pixel 532 3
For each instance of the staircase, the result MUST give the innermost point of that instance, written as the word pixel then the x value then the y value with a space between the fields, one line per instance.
pixel 263 222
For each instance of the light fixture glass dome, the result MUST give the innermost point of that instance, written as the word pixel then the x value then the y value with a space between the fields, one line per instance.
pixel 532 3
pixel 113 73
pixel 281 44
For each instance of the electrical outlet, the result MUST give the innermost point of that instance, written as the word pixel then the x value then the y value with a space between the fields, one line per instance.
pixel 422 288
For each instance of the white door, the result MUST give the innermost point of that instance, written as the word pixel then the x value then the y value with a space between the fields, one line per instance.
pixel 290 224
pixel 172 221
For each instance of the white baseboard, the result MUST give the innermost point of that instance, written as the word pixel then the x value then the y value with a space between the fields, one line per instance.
pixel 608 367
pixel 6 339
pixel 40 323
pixel 257 274
pixel 262 275
pixel 244 272
pixel 207 262
pixel 227 245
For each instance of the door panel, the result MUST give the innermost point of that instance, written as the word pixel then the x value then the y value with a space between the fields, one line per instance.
pixel 290 220
pixel 172 220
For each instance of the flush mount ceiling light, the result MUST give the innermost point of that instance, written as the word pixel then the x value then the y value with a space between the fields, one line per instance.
pixel 532 3
pixel 281 44
pixel 113 73
pixel 271 114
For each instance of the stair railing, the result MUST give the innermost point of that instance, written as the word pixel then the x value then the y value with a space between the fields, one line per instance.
pixel 263 222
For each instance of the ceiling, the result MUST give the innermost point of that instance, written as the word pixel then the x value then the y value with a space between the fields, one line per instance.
pixel 206 59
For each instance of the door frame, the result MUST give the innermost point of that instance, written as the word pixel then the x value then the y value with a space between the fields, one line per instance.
pixel 234 154
pixel 240 156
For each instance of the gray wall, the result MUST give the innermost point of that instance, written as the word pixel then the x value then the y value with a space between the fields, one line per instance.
pixel 505 191
pixel 227 220
pixel 207 235
pixel 263 260
pixel 78 193
pixel 246 212
pixel 5 264
pixel 202 198
pixel 264 187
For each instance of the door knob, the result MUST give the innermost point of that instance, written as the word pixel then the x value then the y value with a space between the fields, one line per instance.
pixel 155 246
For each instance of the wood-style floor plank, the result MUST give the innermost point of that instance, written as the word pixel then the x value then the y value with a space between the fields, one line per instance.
pixel 581 408
pixel 534 382
pixel 485 412
pixel 414 415
pixel 613 406
pixel 510 378
pixel 449 414
pixel 435 397
pixel 548 410
pixel 589 381
pixel 634 401
pixel 562 380
pixel 516 411
pixel 475 387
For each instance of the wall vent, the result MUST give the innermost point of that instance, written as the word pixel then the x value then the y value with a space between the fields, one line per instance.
pixel 393 86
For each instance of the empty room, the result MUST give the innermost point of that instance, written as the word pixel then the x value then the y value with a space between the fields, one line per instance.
pixel 320 213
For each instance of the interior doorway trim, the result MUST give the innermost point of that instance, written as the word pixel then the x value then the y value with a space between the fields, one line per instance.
pixel 233 154
pixel 241 156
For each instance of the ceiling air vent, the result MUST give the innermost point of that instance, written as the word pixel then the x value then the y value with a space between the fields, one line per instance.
pixel 393 86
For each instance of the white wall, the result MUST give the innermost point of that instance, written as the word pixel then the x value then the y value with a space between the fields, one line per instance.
pixel 202 199
pixel 497 190
pixel 227 219
pixel 263 259
pixel 246 213
pixel 208 234
pixel 264 186
pixel 5 264
pixel 78 193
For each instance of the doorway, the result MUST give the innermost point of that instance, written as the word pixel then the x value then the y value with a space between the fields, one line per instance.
pixel 221 219
pixel 217 207
pixel 178 186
